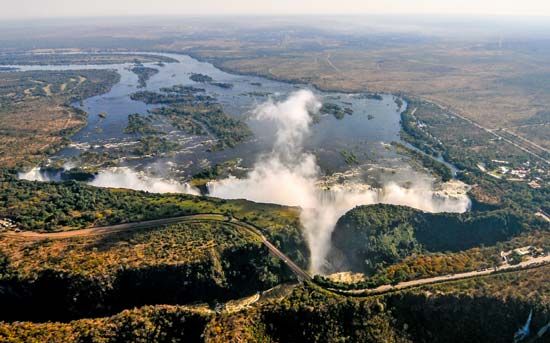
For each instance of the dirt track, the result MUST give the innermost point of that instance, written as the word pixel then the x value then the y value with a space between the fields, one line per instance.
pixel 103 230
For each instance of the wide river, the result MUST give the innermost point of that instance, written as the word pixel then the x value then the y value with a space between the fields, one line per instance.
pixel 367 132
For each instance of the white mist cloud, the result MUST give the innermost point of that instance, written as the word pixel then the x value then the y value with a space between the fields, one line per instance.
pixel 128 178
pixel 292 120
pixel 33 175
pixel 121 177
pixel 289 176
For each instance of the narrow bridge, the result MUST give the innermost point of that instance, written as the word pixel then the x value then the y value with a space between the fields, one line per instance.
pixel 273 250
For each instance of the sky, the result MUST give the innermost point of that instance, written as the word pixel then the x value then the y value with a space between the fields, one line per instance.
pixel 26 9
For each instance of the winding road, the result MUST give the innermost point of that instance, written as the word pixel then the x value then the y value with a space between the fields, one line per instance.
pixel 534 262
pixel 196 218
pixel 255 231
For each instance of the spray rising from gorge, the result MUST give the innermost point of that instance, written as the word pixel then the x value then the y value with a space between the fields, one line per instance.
pixel 119 177
pixel 288 175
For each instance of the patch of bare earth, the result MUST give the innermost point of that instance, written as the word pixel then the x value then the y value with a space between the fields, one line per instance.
pixel 31 128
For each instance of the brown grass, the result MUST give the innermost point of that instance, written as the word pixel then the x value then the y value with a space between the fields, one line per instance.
pixel 34 117
pixel 103 255
pixel 38 126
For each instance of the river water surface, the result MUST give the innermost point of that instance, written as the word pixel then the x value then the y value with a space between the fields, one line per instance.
pixel 367 132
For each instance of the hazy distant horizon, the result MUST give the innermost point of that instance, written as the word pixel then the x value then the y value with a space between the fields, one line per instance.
pixel 40 9
pixel 453 26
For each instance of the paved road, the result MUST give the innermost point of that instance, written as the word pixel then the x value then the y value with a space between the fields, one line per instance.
pixel 253 230
pixel 302 275
pixel 492 132
pixel 543 215
pixel 29 235
pixel 533 144
pixel 439 279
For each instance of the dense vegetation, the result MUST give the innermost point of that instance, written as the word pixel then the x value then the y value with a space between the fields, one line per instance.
pixel 153 145
pixel 69 205
pixel 139 124
pixel 177 94
pixel 372 96
pixel 217 171
pixel 149 143
pixel 228 130
pixel 426 264
pixel 144 325
pixel 196 113
pixel 349 157
pixel 205 261
pixel 488 309
pixel 44 206
pixel 434 131
pixel 25 58
pixel 144 74
pixel 312 315
pixel 437 168
pixel 337 111
pixel 201 78
pixel 373 237
pixel 490 193
pixel 223 85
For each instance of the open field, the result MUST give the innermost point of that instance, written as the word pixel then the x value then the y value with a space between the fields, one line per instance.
pixel 52 57
pixel 496 86
pixel 35 112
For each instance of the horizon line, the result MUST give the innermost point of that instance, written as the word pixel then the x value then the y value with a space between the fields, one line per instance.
pixel 280 15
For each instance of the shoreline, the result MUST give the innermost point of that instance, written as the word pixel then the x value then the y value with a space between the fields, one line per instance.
pixel 217 64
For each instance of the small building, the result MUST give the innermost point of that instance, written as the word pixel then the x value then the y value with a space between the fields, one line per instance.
pixel 7 224
pixel 524 250
pixel 503 170
pixel 534 184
